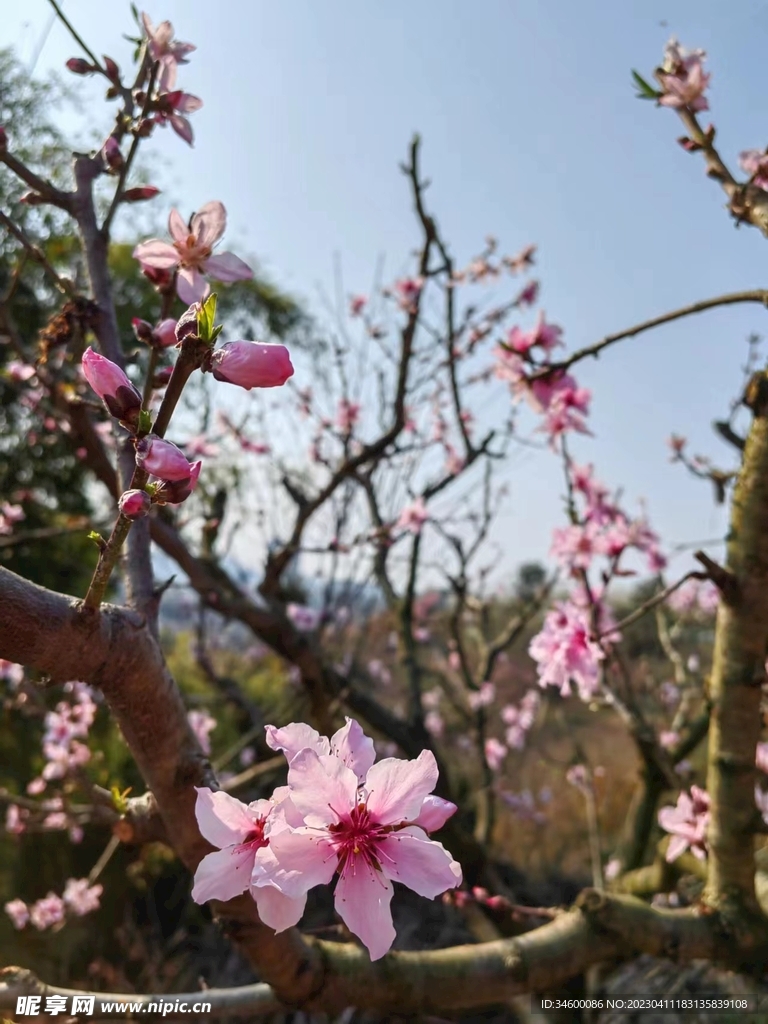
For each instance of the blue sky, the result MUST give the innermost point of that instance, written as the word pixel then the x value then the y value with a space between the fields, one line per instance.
pixel 531 132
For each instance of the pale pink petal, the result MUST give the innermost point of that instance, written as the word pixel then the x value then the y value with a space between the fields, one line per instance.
pixel 322 791
pixel 182 127
pixel 209 223
pixel 434 813
pixel 191 286
pixel 188 104
pixel 227 267
pixel 397 789
pixel 362 901
pixel 156 253
pixel 178 230
pixel 168 73
pixel 222 819
pixel 354 748
pixel 304 859
pixel 277 910
pixel 295 737
pixel 223 875
pixel 422 864
pixel 677 845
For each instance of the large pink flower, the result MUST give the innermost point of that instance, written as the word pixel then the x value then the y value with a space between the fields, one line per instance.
pixel 368 831
pixel 242 833
pixel 192 252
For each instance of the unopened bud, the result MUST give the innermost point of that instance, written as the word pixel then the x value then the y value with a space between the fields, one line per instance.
pixel 113 387
pixel 140 194
pixel 78 66
pixel 164 334
pixel 113 71
pixel 134 504
pixel 3 138
pixel 173 492
pixel 111 155
pixel 187 326
pixel 160 278
pixel 32 199
pixel 689 145
pixel 161 378
pixel 142 330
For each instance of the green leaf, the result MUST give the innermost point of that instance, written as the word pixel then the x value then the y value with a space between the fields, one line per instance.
pixel 206 318
pixel 145 422
pixel 97 539
pixel 120 799
pixel 645 90
pixel 216 332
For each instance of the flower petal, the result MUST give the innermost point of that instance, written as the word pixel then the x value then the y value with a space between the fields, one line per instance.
pixel 191 286
pixel 156 253
pixel 209 223
pixel 434 813
pixel 222 820
pixel 321 790
pixel 225 266
pixel 422 864
pixel 362 901
pixel 295 737
pixel 277 910
pixel 304 859
pixel 677 845
pixel 354 748
pixel 396 789
pixel 182 127
pixel 177 227
pixel 223 875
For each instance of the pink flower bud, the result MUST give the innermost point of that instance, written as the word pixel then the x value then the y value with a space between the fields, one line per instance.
pixel 251 364
pixel 134 504
pixel 112 386
pixel 142 330
pixel 165 333
pixel 162 458
pixel 140 193
pixel 160 278
pixel 32 199
pixel 173 492
pixel 113 71
pixel 78 66
pixel 162 377
pixel 187 326
pixel 111 155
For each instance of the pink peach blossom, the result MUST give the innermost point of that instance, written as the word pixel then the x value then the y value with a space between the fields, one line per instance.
pixel 368 833
pixel 687 822
pixel 192 253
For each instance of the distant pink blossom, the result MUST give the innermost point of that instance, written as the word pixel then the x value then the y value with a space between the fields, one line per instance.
pixel 761 757
pixel 192 253
pixel 434 724
pixel 546 336
pixel 172 105
pixel 687 823
pixel 754 162
pixel 357 304
pixel 495 752
pixel 18 911
pixel 408 290
pixel 304 618
pixel 202 725
pixel 413 517
pixel 347 415
pixel 483 697
pixel 47 911
pixel 81 897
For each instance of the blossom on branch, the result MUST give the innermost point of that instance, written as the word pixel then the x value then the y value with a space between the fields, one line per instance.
pixel 683 78
pixel 191 252
pixel 687 823
pixel 252 364
pixel 112 386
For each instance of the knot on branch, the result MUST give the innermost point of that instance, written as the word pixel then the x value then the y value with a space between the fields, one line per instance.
pixel 756 394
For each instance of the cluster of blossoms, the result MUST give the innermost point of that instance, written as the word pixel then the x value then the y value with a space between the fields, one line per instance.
pixel 528 806
pixel 552 393
pixel 172 478
pixel 687 823
pixel 695 596
pixel 79 898
pixel 339 813
pixel 65 729
pixel 566 652
pixel 9 516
